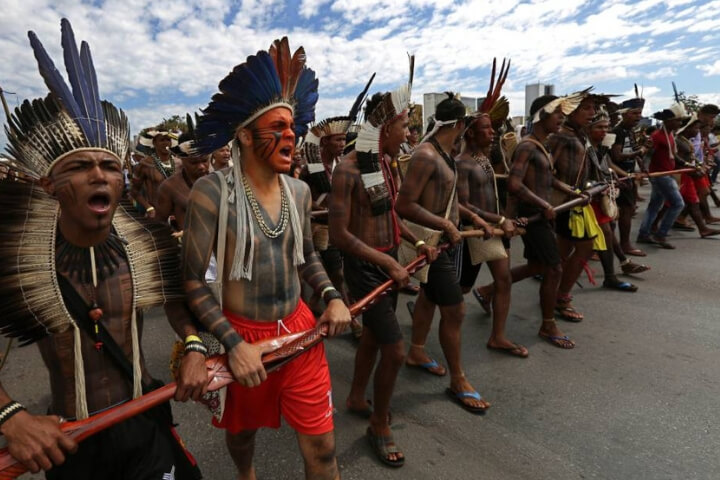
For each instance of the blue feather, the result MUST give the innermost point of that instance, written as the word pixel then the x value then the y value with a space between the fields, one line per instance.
pixel 78 80
pixel 55 83
pixel 89 69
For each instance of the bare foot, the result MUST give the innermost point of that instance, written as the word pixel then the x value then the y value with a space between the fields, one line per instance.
pixel 506 346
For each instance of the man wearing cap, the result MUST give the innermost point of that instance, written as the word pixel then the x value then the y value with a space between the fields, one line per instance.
pixel 625 154
pixel 664 188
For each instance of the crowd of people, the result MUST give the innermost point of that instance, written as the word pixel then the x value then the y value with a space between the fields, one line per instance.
pixel 259 222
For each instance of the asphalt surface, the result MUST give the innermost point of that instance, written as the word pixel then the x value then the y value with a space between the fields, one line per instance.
pixel 637 398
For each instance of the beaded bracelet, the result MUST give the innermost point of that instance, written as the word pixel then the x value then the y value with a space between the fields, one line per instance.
pixel 9 410
pixel 193 338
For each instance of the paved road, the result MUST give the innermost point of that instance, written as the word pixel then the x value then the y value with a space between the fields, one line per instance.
pixel 637 398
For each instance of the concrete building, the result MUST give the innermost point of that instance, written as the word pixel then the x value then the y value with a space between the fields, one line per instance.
pixel 535 90
pixel 430 101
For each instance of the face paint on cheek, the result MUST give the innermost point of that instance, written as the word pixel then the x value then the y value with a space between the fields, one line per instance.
pixel 265 141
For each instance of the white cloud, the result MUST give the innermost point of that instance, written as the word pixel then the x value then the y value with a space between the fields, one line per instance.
pixel 713 69
pixel 150 49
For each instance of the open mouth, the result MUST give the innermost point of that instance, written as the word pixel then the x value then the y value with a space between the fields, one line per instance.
pixel 99 203
pixel 287 152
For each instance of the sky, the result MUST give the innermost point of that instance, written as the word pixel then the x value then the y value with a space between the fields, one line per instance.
pixel 157 58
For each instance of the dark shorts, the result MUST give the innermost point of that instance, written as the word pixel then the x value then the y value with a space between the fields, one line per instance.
pixel 332 259
pixel 443 284
pixel 626 196
pixel 468 271
pixel 135 448
pixel 540 243
pixel 562 227
pixel 363 277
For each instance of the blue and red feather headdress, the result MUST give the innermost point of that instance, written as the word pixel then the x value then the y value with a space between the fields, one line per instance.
pixel 265 81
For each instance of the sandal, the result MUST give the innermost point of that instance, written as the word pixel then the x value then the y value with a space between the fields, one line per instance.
pixel 383 446
pixel 485 302
pixel 563 341
pixel 618 285
pixel 459 397
pixel 635 252
pixel 516 350
pixel 566 311
pixel 431 367
pixel 632 268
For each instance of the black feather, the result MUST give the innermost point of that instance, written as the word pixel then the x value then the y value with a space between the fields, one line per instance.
pixel 355 110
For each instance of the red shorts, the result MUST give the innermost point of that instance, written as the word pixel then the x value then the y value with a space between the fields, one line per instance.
pixel 702 183
pixel 300 390
pixel 599 214
pixel 688 190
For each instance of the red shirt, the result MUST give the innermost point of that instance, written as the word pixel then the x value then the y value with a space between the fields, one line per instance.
pixel 663 158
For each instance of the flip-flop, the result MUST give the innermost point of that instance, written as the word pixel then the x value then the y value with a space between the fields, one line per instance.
pixel 558 341
pixel 484 302
pixel 565 312
pixel 622 286
pixel 632 268
pixel 516 350
pixel 458 398
pixel 428 367
pixel 383 445
pixel 635 252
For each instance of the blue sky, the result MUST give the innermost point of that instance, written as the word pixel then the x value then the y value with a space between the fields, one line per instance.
pixel 159 58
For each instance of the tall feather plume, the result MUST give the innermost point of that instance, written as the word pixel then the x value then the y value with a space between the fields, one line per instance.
pixel 78 80
pixel 355 109
pixel 56 84
pixel 675 91
pixel 89 69
pixel 496 85
pixel 190 125
pixel 637 93
pixel 411 59
pixel 280 51
pixel 296 67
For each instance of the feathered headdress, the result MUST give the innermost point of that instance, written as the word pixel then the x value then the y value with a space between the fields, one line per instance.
pixel 495 106
pixel 393 103
pixel 41 133
pixel 567 104
pixel 186 143
pixel 146 137
pixel 368 144
pixel 341 125
pixel 70 118
pixel 265 81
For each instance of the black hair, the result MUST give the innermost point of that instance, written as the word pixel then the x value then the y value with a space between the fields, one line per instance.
pixel 373 102
pixel 710 109
pixel 450 109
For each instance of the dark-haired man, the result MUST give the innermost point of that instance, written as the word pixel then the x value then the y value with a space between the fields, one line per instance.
pixel 153 169
pixel 626 153
pixel 428 197
pixel 174 192
pixel 664 188
pixel 531 182
pixel 365 227
pixel 568 148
